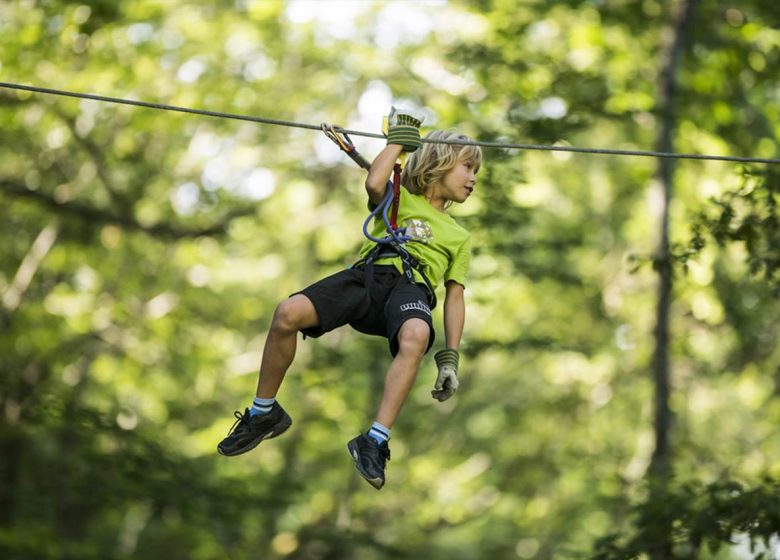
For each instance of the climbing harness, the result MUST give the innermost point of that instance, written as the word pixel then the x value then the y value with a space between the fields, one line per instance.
pixel 410 264
pixel 392 245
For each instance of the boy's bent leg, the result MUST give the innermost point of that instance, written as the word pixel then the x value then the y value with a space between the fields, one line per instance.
pixel 370 455
pixel 412 344
pixel 291 315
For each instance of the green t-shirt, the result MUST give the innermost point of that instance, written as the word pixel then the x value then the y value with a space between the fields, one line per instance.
pixel 439 243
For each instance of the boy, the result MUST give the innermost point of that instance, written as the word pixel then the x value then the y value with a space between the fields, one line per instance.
pixel 377 297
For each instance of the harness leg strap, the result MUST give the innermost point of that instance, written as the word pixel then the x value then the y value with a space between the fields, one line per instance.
pixel 409 264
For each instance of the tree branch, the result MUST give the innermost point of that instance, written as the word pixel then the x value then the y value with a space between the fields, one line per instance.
pixel 91 214
pixel 96 154
pixel 29 266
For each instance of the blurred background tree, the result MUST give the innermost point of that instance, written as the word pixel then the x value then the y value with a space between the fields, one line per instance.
pixel 144 252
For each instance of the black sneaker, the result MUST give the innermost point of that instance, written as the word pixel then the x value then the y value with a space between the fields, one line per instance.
pixel 370 458
pixel 249 431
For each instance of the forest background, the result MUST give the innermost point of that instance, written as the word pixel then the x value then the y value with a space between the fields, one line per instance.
pixel 620 390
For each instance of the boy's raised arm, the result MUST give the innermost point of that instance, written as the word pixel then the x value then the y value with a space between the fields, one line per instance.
pixel 403 135
pixel 381 167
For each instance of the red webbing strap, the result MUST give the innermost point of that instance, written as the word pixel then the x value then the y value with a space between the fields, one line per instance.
pixel 396 195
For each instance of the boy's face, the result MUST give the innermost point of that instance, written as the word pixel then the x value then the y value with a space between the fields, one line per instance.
pixel 459 182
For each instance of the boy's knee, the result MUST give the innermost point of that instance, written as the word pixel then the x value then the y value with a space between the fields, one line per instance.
pixel 413 336
pixel 290 316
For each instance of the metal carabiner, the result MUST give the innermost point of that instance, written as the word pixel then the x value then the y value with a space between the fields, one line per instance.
pixel 345 144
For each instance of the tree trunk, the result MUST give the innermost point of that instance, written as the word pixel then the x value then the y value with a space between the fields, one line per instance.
pixel 660 469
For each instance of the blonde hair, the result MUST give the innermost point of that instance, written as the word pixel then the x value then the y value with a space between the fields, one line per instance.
pixel 433 161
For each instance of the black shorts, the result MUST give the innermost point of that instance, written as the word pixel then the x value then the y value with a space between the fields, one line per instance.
pixel 343 298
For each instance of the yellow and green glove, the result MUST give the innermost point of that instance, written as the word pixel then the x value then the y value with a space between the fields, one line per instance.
pixel 404 128
pixel 447 380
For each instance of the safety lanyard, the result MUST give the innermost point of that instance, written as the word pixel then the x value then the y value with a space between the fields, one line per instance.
pixel 396 196
pixel 392 197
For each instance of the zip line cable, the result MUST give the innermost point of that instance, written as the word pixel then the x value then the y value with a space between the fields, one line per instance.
pixel 279 122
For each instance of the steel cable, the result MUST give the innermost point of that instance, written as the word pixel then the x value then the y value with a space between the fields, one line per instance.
pixel 294 124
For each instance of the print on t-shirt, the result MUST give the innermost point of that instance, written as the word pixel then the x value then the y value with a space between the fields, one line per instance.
pixel 419 230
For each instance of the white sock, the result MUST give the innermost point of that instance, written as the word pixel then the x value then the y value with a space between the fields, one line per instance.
pixel 261 406
pixel 379 432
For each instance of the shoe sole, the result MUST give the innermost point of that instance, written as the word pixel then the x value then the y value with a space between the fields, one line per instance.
pixel 278 430
pixel 353 452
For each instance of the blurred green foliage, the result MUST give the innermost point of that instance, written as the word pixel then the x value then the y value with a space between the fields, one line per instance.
pixel 143 253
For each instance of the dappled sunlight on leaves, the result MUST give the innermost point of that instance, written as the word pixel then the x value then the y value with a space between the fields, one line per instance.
pixel 144 253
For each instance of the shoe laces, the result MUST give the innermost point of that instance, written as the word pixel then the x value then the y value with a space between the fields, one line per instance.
pixel 240 421
pixel 384 452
